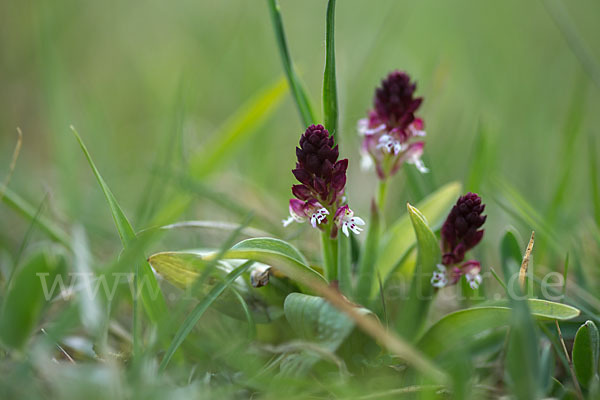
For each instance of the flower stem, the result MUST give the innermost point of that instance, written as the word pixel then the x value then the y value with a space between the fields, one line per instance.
pixel 381 194
pixel 329 247
pixel 366 267
pixel 344 268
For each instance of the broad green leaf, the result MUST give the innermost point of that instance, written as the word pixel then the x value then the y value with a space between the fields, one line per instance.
pixel 184 269
pixel 199 310
pixel 301 99
pixel 585 353
pixel 237 130
pixel 330 99
pixel 277 253
pixel 401 237
pixel 416 307
pixel 30 287
pixel 315 321
pixel 152 297
pixel 457 329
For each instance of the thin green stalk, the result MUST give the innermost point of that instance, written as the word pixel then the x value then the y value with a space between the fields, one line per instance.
pixel 330 99
pixel 565 273
pixel 381 194
pixel 593 166
pixel 329 248
pixel 305 109
pixel 136 331
pixel 366 267
pixel 344 265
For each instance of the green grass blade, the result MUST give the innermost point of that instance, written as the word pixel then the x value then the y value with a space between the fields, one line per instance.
pixel 248 314
pixel 126 232
pixel 569 29
pixel 29 289
pixel 22 207
pixel 199 310
pixel 91 313
pixel 522 358
pixel 421 294
pixel 244 122
pixel 594 178
pixel 571 132
pixel 366 268
pixel 152 297
pixel 482 160
pixel 514 203
pixel 237 130
pixel 330 99
pixel 305 109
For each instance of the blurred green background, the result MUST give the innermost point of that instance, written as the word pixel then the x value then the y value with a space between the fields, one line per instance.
pixel 510 88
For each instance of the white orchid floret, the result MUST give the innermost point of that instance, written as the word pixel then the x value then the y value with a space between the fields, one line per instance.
pixel 440 277
pixel 389 144
pixel 419 164
pixel 364 130
pixel 301 211
pixel 318 216
pixel 474 279
pixel 413 156
pixel 417 128
pixel 346 221
pixel 472 272
pixel 366 161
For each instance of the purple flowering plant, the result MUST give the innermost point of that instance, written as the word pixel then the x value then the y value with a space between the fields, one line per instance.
pixel 362 258
pixel 376 273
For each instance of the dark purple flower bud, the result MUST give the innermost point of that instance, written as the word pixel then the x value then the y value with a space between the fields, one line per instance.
pixel 323 177
pixel 394 102
pixel 461 232
pixel 301 192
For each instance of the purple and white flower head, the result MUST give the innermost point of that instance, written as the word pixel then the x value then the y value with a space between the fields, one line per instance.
pixel 321 175
pixel 390 131
pixel 460 233
pixel 322 185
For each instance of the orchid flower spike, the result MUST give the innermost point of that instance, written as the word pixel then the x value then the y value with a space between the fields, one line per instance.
pixel 460 233
pixel 389 131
